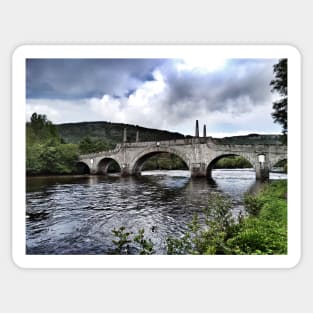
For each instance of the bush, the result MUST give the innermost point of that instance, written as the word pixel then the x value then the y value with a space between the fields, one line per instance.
pixel 258 236
pixel 266 233
pixel 253 204
pixel 125 243
pixel 210 239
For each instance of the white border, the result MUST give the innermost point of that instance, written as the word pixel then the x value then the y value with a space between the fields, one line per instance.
pixel 155 261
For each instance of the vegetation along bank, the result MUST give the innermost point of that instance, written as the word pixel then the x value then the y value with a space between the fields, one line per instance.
pixel 263 231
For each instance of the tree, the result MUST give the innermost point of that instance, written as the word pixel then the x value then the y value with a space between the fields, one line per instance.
pixel 279 85
pixel 42 128
pixel 46 153
pixel 87 145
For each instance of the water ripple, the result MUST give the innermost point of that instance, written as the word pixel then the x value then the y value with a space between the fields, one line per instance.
pixel 76 215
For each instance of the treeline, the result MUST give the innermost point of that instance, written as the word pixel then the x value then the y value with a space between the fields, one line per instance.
pixel 47 152
pixel 88 145
pixel 262 231
pixel 112 133
pixel 164 161
pixel 233 162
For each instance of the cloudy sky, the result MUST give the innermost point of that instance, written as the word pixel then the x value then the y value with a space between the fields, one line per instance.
pixel 230 96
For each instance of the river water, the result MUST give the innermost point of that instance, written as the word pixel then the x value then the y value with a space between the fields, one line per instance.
pixel 76 215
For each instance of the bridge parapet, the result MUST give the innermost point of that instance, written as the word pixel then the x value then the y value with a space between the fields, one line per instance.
pixel 199 154
pixel 252 148
pixel 173 142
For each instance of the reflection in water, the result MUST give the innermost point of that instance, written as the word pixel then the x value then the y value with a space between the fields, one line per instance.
pixel 75 215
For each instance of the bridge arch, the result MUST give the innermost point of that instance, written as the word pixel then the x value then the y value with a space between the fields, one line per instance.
pixel 213 162
pixel 82 168
pixel 276 160
pixel 137 163
pixel 105 163
pixel 280 162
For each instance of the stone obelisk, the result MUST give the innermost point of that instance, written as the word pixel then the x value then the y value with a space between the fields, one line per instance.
pixel 125 135
pixel 197 129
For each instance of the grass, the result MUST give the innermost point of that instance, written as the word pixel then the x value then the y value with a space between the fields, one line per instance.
pixel 265 233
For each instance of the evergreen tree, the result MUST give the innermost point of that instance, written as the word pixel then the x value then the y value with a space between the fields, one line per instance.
pixel 279 85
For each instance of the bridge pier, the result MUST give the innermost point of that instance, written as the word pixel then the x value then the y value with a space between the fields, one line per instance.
pixel 125 170
pixel 262 172
pixel 262 169
pixel 198 170
pixel 93 171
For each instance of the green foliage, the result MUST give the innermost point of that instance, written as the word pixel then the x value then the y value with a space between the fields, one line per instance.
pixel 210 239
pixel 33 161
pixel 42 129
pixel 263 231
pixel 122 242
pixel 179 246
pixel 58 159
pixel 219 212
pixel 146 246
pixel 267 233
pixel 280 85
pixel 87 145
pixel 233 162
pixel 112 133
pixel 45 152
pixel 253 204
pixel 164 161
pixel 259 236
pixel 282 164
pixel 250 139
pixel 186 243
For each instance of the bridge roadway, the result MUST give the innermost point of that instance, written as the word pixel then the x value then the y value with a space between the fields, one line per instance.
pixel 199 154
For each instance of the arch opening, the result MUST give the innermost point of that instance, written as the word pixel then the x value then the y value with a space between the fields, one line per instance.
pixel 159 160
pixel 280 167
pixel 82 168
pixel 228 161
pixel 108 166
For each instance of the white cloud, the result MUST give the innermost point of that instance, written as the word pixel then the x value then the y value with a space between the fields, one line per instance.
pixel 41 108
pixel 61 111
pixel 144 107
pixel 201 64
pixel 236 101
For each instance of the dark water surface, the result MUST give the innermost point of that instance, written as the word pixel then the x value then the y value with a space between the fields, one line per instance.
pixel 76 215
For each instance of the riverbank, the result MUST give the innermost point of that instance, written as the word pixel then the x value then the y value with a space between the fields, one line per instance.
pixel 262 231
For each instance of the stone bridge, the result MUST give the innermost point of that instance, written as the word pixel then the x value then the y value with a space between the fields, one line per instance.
pixel 199 154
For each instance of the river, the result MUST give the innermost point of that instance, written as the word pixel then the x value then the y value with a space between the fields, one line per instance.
pixel 76 214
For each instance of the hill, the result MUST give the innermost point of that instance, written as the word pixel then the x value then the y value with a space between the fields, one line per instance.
pixel 250 139
pixel 111 132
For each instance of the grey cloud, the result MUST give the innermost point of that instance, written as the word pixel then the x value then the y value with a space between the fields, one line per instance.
pixel 239 87
pixel 86 78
